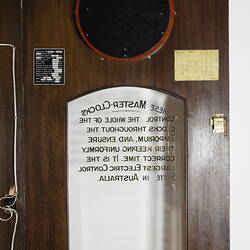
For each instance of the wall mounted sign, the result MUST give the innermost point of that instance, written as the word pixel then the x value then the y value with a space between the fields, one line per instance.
pixel 48 66
pixel 196 65
pixel 125 30
pixel 126 170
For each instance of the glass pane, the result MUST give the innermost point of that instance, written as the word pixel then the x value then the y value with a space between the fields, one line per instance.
pixel 126 171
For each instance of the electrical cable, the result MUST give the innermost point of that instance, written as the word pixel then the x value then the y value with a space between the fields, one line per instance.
pixel 9 208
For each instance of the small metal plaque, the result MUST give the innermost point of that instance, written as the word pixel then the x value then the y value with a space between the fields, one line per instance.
pixel 196 65
pixel 49 66
pixel 126 170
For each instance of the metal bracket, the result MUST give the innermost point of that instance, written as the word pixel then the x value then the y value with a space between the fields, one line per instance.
pixel 219 124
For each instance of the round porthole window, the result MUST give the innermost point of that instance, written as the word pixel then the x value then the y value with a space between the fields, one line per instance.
pixel 125 30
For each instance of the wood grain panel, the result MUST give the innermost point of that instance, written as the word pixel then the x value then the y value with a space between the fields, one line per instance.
pixel 10 32
pixel 198 25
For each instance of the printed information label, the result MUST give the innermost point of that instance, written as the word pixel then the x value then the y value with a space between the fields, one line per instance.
pixel 49 67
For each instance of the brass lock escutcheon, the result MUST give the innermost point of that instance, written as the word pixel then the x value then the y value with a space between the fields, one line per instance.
pixel 219 124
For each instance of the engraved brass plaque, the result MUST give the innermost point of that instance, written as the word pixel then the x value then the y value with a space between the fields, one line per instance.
pixel 196 65
pixel 126 170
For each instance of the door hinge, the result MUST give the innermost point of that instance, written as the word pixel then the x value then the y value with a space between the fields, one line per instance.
pixel 219 124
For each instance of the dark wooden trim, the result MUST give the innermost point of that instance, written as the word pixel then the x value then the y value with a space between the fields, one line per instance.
pixel 11 32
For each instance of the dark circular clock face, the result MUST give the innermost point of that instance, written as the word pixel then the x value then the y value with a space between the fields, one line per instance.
pixel 125 29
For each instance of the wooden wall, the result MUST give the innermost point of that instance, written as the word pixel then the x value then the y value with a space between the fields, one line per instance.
pixel 10 32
